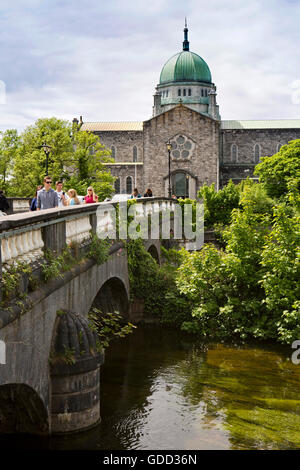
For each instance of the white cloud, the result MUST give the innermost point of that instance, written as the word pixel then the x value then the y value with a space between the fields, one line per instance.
pixel 102 60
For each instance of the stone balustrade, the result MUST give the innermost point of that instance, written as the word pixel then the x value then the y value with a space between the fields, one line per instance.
pixel 26 236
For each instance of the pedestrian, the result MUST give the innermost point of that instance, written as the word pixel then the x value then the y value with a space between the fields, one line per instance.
pixel 4 205
pixel 173 196
pixel 62 196
pixel 148 193
pixel 73 198
pixel 135 194
pixel 33 204
pixel 47 198
pixel 91 196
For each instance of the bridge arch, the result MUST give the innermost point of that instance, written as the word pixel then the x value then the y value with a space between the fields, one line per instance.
pixel 154 253
pixel 111 297
pixel 22 410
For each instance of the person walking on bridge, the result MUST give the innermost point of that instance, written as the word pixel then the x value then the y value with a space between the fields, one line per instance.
pixel 47 198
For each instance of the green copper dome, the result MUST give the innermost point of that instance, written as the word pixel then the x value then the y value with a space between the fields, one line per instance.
pixel 185 66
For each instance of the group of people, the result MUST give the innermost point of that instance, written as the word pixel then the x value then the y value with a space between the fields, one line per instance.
pixel 48 198
pixel 136 193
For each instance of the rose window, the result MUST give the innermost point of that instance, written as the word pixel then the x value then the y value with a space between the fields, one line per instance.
pixel 182 147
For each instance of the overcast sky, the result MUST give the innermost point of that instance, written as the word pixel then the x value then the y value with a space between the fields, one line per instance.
pixel 102 59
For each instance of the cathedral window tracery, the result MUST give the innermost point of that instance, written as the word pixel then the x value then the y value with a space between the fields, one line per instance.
pixel 182 147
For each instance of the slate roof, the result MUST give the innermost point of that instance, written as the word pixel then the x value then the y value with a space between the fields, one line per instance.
pixel 267 124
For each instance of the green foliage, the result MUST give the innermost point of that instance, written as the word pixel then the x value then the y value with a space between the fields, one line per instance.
pixel 12 278
pixel 76 157
pixel 254 198
pixel 88 165
pixel 219 205
pixel 250 289
pixel 55 266
pixel 30 161
pixel 99 249
pixel 281 262
pixel 277 171
pixel 156 285
pixel 108 326
pixel 9 144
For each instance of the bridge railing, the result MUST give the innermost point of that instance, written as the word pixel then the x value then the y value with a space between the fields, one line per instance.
pixel 25 237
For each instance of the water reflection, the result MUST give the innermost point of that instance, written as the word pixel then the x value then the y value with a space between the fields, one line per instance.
pixel 161 390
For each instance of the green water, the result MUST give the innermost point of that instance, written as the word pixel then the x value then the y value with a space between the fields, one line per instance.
pixel 161 390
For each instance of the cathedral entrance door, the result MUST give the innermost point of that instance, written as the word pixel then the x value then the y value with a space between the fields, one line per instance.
pixel 180 185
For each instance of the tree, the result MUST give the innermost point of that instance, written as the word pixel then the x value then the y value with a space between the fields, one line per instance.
pixel 278 171
pixel 76 157
pixel 219 205
pixel 88 165
pixel 30 162
pixel 9 145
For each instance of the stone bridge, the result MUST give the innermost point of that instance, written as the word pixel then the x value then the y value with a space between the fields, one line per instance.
pixel 49 357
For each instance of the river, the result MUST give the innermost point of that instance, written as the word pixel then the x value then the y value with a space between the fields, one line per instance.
pixel 161 389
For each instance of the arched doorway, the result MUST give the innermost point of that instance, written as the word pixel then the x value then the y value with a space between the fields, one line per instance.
pixel 180 184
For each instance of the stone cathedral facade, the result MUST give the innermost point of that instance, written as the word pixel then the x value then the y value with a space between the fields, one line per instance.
pixel 205 149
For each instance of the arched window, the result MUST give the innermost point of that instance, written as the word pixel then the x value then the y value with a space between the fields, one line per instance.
pixel 135 154
pixel 234 153
pixel 190 92
pixel 128 185
pixel 256 153
pixel 184 92
pixel 167 93
pixel 205 92
pixel 113 152
pixel 202 93
pixel 179 92
pixel 117 185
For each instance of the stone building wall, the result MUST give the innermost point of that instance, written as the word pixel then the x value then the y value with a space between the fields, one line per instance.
pixel 123 141
pixel 124 171
pixel 203 160
pixel 245 139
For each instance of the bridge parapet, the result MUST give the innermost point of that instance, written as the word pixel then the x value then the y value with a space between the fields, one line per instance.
pixel 26 236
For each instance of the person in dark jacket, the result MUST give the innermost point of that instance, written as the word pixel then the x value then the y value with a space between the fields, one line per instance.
pixel 4 206
pixel 148 193
pixel 34 199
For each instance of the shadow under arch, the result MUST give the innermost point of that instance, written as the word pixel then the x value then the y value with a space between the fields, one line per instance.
pixel 22 410
pixel 112 297
pixel 154 253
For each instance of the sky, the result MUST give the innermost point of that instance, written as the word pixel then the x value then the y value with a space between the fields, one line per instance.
pixel 102 59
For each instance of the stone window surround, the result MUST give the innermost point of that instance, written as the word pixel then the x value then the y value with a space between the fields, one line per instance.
pixel 236 159
pixel 126 181
pixel 134 154
pixel 113 151
pixel 257 160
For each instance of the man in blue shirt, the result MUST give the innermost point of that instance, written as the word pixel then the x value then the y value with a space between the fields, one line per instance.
pixel 47 198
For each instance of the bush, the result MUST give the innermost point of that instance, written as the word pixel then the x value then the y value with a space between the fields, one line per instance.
pixel 219 205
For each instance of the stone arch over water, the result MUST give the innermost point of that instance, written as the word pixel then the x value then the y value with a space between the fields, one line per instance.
pixel 112 297
pixel 22 410
pixel 154 253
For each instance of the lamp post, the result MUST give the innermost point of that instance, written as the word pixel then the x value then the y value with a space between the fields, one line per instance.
pixel 169 148
pixel 47 150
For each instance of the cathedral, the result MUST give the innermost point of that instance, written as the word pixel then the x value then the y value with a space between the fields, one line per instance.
pixel 185 143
